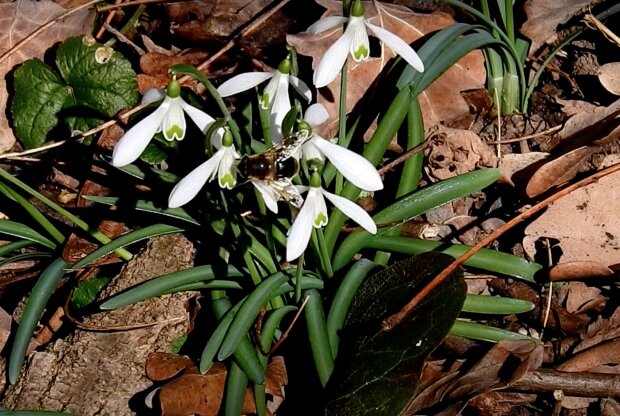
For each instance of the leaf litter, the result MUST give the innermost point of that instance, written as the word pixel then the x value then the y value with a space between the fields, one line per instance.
pixel 584 319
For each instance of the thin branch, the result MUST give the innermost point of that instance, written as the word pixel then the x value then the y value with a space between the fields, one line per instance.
pixel 398 317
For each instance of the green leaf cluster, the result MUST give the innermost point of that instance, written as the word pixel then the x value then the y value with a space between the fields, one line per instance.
pixel 90 83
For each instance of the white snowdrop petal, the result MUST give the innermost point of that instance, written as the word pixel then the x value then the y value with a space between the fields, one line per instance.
pixel 227 177
pixel 190 185
pixel 398 45
pixel 353 211
pixel 311 152
pixel 301 87
pixel 199 117
pixel 152 95
pixel 320 218
pixel 326 23
pixel 281 106
pixel 243 82
pixel 270 198
pixel 300 231
pixel 133 143
pixel 173 125
pixel 359 171
pixel 333 60
pixel 360 45
pixel 316 115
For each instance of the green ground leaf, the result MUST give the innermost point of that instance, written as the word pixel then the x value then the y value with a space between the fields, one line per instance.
pixel 377 372
pixel 94 84
pixel 105 86
pixel 153 154
pixel 39 96
pixel 86 292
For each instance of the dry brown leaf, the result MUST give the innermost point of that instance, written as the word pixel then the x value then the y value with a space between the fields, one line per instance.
pixel 505 363
pixel 498 403
pixel 578 270
pixel 574 403
pixel 585 222
pixel 453 152
pixel 543 18
pixel 582 298
pixel 201 394
pixel 558 171
pixel 602 354
pixel 593 123
pixel 440 101
pixel 18 19
pixel 518 167
pixel 609 75
pixel 157 63
pixel 162 366
pixel 205 21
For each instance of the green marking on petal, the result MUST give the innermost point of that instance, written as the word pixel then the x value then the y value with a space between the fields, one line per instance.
pixel 320 220
pixel 264 101
pixel 174 132
pixel 361 53
pixel 227 181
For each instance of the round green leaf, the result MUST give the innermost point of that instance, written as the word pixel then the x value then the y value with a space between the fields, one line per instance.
pixel 39 96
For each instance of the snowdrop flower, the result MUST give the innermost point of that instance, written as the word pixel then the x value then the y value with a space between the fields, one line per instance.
pixel 168 118
pixel 275 97
pixel 355 168
pixel 221 164
pixel 313 214
pixel 355 40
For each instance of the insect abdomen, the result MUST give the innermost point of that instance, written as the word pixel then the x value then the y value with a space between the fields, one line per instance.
pixel 287 168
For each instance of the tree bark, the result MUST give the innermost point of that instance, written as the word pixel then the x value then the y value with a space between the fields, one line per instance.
pixel 102 373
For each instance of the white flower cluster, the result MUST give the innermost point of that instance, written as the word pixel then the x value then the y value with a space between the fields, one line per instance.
pixel 169 119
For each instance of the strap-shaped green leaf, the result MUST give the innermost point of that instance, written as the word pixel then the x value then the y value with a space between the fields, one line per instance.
pixel 20 230
pixel 41 292
pixel 496 305
pixel 249 311
pixel 417 203
pixel 129 238
pixel 163 284
pixel 485 259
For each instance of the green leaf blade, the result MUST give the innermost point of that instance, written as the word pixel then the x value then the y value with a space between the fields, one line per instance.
pixel 105 85
pixel 39 97
pixel 378 370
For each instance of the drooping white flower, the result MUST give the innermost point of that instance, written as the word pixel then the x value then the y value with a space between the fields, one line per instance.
pixel 167 118
pixel 275 96
pixel 354 167
pixel 354 40
pixel 313 214
pixel 269 196
pixel 221 164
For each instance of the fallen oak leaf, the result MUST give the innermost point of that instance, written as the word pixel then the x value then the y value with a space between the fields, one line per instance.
pixel 441 101
pixel 578 270
pixel 558 171
pixel 162 366
pixel 543 17
pixel 202 394
pixel 594 231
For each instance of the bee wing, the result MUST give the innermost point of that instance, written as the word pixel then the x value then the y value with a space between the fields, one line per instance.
pixel 286 191
pixel 288 146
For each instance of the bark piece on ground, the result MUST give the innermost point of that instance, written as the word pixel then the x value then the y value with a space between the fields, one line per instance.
pixel 91 373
